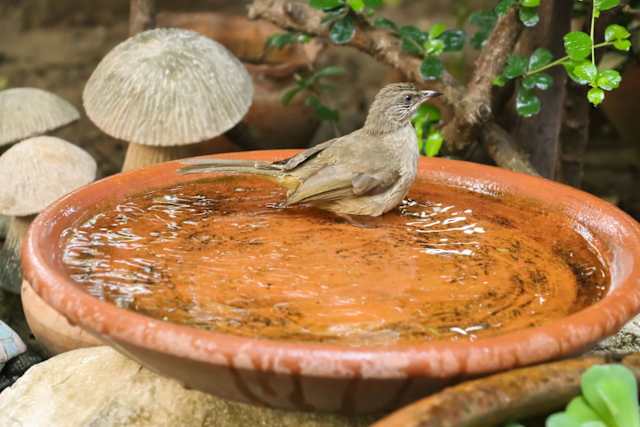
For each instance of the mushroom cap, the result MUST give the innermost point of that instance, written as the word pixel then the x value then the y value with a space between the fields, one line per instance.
pixel 37 171
pixel 168 87
pixel 27 111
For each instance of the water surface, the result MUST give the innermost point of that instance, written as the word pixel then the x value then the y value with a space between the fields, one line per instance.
pixel 224 255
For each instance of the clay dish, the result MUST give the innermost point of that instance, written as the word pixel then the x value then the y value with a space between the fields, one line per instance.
pixel 331 377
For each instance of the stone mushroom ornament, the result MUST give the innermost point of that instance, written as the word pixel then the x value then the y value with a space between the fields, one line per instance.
pixel 163 89
pixel 27 112
pixel 33 174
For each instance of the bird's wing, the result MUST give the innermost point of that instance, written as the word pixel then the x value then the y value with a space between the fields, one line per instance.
pixel 336 182
pixel 295 161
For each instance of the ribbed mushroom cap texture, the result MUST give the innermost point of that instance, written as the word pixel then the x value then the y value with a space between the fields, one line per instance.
pixel 27 112
pixel 37 171
pixel 168 87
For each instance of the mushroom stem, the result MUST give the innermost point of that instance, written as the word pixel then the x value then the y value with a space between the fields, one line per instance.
pixel 18 227
pixel 139 155
pixel 142 16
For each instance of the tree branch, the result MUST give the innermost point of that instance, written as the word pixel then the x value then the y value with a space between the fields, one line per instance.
pixel 503 151
pixel 475 108
pixel 142 16
pixel 379 43
pixel 469 115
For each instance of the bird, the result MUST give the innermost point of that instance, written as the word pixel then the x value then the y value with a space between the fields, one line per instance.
pixel 365 173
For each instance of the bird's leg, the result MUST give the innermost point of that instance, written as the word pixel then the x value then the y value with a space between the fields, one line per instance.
pixel 351 220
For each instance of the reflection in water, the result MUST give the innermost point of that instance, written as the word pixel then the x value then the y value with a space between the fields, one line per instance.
pixel 226 255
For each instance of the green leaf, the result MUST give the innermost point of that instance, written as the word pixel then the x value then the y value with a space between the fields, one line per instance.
pixel 325 4
pixel 356 5
pixel 278 41
pixel 434 47
pixel 330 71
pixel 514 425
pixel 333 15
pixel 412 39
pixel 485 21
pixel 321 110
pixel 623 45
pixel 595 95
pixel 530 3
pixel 453 40
pixel 540 81
pixel 616 32
pixel 608 79
pixel 586 72
pixel 499 81
pixel 431 68
pixel 386 24
pixel 611 390
pixel 428 113
pixel 529 16
pixel 434 143
pixel 579 410
pixel 606 4
pixel 577 45
pixel 569 67
pixel 516 66
pixel 503 6
pixel 289 94
pixel 342 31
pixel 527 104
pixel 561 419
pixel 373 4
pixel 539 58
pixel 437 30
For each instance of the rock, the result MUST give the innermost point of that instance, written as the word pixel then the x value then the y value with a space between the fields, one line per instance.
pixel 10 344
pixel 98 387
pixel 625 341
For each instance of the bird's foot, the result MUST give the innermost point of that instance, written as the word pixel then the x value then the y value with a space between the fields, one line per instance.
pixel 351 220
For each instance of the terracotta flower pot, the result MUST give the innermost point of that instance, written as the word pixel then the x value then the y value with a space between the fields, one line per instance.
pixel 268 124
pixel 332 377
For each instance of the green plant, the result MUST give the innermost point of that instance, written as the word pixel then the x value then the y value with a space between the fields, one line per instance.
pixel 428 45
pixel 579 63
pixel 609 399
pixel 314 83
pixel 339 16
pixel 4 82
pixel 280 40
pixel 425 120
pixel 485 20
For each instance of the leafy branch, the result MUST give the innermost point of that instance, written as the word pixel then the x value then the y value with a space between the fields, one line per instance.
pixel 579 63
pixel 314 84
pixel 486 20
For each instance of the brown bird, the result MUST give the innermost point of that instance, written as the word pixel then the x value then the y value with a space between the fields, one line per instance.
pixel 367 172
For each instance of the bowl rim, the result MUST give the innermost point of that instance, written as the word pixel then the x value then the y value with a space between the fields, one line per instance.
pixel 434 359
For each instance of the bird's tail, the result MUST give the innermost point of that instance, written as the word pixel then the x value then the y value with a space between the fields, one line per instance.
pixel 270 171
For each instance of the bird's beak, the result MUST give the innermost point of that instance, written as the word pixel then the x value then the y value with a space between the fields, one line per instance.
pixel 425 94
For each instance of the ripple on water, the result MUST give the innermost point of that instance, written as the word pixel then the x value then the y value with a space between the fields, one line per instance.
pixel 225 255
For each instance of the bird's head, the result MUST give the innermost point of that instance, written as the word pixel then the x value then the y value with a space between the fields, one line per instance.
pixel 394 105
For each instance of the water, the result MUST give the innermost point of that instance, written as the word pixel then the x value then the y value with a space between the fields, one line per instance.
pixel 224 255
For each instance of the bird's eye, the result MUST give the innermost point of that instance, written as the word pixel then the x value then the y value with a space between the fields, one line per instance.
pixel 408 98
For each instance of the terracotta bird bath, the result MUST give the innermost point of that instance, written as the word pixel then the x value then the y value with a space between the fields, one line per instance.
pixel 334 375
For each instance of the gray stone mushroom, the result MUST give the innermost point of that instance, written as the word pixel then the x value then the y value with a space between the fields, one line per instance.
pixel 27 112
pixel 33 174
pixel 163 89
